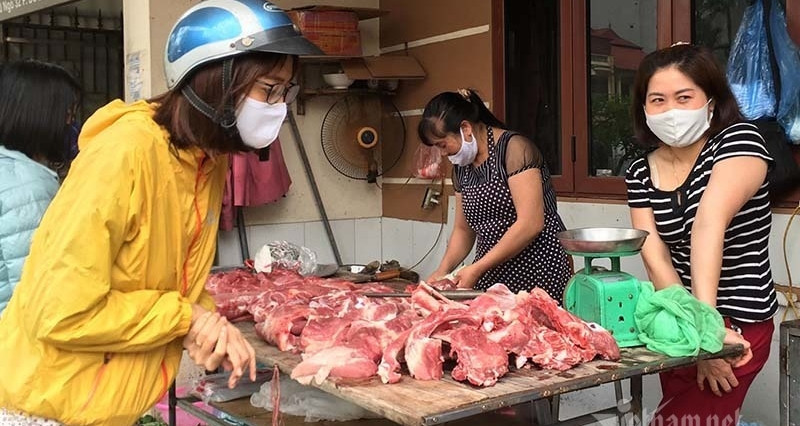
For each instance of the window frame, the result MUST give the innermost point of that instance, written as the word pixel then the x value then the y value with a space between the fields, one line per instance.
pixel 673 20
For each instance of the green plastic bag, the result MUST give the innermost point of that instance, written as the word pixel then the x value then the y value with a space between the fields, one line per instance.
pixel 673 322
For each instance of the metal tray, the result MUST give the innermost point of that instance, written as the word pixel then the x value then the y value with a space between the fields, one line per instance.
pixel 602 240
pixel 227 268
pixel 323 270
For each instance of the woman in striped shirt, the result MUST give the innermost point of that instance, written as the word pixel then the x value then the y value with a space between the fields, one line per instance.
pixel 702 194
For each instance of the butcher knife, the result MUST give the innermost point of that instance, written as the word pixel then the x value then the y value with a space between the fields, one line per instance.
pixel 450 294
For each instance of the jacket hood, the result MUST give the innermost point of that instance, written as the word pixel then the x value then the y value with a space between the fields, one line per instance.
pixel 108 115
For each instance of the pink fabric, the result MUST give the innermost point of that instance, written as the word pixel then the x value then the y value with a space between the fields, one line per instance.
pixel 252 182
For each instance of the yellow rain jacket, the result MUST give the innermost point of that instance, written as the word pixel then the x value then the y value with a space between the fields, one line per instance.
pixel 93 333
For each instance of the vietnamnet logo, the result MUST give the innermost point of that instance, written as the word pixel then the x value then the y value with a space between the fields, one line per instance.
pixel 656 418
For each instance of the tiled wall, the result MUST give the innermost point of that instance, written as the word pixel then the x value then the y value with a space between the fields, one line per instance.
pixel 358 240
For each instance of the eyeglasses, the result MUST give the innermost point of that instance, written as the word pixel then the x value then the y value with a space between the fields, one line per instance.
pixel 277 93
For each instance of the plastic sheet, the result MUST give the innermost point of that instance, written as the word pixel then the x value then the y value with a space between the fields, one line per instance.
pixel 428 162
pixel 749 69
pixel 309 402
pixel 214 387
pixel 787 57
pixel 286 255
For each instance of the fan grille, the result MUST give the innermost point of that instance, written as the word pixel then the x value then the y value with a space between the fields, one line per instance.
pixel 342 125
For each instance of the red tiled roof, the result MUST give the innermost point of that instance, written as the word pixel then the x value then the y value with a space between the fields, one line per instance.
pixel 627 55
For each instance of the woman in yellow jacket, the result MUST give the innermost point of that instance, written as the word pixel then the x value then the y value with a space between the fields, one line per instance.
pixel 113 289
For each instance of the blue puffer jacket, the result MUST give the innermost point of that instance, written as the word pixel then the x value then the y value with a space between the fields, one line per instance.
pixel 26 188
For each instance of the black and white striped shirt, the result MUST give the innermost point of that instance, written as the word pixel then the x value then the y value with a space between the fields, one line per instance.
pixel 746 290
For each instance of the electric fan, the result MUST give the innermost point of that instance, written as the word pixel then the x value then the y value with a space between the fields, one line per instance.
pixel 363 136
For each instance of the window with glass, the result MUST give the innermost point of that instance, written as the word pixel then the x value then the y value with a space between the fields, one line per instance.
pixel 620 33
pixel 533 75
pixel 568 69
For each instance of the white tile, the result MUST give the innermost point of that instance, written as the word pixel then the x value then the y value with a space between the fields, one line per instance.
pixel 424 239
pixel 448 230
pixel 396 240
pixel 258 235
pixel 344 232
pixel 316 239
pixel 367 240
pixel 760 404
pixel 780 222
pixel 228 251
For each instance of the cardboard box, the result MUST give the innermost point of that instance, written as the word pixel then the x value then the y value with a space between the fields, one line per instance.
pixel 336 42
pixel 324 20
pixel 362 13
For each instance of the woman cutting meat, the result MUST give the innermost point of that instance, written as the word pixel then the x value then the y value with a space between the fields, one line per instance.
pixel 112 291
pixel 505 202
pixel 702 194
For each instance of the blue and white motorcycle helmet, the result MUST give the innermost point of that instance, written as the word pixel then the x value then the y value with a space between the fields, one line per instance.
pixel 217 29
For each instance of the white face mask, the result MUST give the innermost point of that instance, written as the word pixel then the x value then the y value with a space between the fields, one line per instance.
pixel 467 153
pixel 680 127
pixel 259 122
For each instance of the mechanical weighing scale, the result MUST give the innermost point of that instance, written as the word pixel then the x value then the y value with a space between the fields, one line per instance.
pixel 596 294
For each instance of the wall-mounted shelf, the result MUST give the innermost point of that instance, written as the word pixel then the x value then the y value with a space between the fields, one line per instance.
pixel 387 67
pixel 358 90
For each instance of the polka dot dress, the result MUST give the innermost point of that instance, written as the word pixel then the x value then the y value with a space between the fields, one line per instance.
pixel 489 210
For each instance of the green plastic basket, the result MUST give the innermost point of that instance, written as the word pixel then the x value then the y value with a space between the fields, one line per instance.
pixel 606 297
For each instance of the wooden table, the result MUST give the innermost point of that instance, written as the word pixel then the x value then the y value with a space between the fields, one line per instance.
pixel 421 403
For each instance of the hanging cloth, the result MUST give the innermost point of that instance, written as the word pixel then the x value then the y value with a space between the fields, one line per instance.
pixel 253 181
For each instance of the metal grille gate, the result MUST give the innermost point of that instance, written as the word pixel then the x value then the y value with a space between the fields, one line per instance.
pixel 91 47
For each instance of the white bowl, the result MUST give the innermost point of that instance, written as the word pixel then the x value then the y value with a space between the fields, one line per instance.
pixel 337 80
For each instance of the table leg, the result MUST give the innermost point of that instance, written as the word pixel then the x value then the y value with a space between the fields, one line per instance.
pixel 636 401
pixel 620 400
pixel 629 412
pixel 173 403
pixel 545 410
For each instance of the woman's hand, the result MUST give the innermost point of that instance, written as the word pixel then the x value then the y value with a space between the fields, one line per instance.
pixel 718 373
pixel 207 340
pixel 732 338
pixel 437 275
pixel 468 276
pixel 241 356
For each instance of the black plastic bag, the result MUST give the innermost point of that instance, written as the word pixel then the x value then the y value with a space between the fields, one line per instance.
pixel 785 174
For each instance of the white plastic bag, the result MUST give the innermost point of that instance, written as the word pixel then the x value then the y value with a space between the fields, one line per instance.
pixel 286 255
pixel 428 161
pixel 309 402
pixel 214 387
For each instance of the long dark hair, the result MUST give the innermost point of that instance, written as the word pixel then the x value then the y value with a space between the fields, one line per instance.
pixel 444 113
pixel 39 100
pixel 188 127
pixel 698 64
